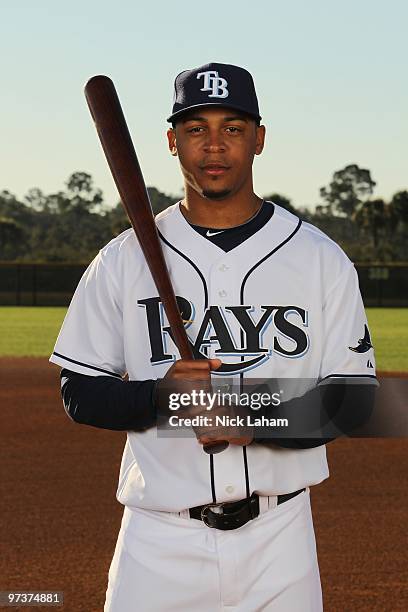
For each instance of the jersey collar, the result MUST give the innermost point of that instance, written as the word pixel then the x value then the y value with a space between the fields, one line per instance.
pixel 177 232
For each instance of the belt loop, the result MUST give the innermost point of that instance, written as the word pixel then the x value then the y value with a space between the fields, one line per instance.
pixel 272 501
pixel 263 504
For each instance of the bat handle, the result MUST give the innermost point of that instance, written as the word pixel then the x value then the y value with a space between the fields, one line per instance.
pixel 186 353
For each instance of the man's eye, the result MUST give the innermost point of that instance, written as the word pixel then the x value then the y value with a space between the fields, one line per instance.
pixel 196 130
pixel 233 130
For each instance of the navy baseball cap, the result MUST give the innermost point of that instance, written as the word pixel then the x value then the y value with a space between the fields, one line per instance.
pixel 215 84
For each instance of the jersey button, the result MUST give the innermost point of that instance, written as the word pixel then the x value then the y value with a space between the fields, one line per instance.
pixel 230 489
pixel 222 293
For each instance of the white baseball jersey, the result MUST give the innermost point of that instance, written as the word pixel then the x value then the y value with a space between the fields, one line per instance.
pixel 283 304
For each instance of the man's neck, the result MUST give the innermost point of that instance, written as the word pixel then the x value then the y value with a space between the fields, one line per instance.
pixel 228 212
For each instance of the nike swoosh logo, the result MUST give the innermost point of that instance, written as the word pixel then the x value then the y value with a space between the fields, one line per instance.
pixel 214 233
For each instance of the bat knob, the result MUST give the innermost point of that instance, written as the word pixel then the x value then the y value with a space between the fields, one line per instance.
pixel 216 447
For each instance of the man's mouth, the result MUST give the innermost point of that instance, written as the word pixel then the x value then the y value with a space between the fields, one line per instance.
pixel 215 169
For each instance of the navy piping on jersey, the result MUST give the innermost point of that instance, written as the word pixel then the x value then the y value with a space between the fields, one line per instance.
pixel 200 274
pixel 247 275
pixel 214 497
pixel 241 375
pixel 349 376
pixel 248 490
pixel 241 302
pixel 86 365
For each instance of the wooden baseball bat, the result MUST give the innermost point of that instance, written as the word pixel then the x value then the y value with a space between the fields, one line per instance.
pixel 119 151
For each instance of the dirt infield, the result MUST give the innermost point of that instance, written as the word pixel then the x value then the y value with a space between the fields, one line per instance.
pixel 60 518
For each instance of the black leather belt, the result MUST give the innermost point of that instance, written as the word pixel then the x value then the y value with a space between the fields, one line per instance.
pixel 231 515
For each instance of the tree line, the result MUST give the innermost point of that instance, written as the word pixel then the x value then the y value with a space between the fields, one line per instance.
pixel 73 224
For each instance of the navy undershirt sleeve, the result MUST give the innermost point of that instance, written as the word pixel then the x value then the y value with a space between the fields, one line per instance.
pixel 107 402
pixel 332 410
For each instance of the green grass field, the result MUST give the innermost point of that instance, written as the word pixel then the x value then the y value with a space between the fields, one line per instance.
pixel 26 331
pixel 29 331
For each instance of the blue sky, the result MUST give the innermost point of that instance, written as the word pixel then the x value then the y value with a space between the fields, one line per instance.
pixel 330 76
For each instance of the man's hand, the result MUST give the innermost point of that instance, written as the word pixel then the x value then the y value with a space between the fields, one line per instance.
pixel 194 369
pixel 188 376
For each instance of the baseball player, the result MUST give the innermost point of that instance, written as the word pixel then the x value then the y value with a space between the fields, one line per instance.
pixel 264 296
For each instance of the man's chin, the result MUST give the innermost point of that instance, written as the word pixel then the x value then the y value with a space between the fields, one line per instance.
pixel 220 194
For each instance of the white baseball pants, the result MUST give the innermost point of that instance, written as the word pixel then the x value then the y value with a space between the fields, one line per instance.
pixel 165 563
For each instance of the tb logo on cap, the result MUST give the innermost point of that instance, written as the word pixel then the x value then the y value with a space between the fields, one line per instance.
pixel 214 83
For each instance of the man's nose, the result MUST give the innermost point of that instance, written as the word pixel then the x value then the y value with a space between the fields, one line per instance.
pixel 215 141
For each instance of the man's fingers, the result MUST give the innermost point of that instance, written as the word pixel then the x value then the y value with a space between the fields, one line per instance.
pixel 193 370
pixel 192 363
pixel 192 374
pixel 215 364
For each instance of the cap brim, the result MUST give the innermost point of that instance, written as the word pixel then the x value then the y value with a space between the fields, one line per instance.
pixel 183 111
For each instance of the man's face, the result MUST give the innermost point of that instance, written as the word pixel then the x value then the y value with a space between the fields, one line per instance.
pixel 216 148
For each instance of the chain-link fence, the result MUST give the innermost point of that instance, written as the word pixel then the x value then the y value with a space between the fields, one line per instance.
pixel 384 284
pixel 39 284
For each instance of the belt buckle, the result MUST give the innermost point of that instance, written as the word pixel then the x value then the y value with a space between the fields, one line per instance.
pixel 207 508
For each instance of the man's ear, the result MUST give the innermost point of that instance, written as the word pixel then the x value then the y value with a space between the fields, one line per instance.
pixel 171 137
pixel 260 139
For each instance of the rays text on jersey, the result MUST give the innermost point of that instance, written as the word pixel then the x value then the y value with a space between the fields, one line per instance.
pixel 214 328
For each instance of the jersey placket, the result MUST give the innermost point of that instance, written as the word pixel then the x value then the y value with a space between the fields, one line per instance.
pixel 223 286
